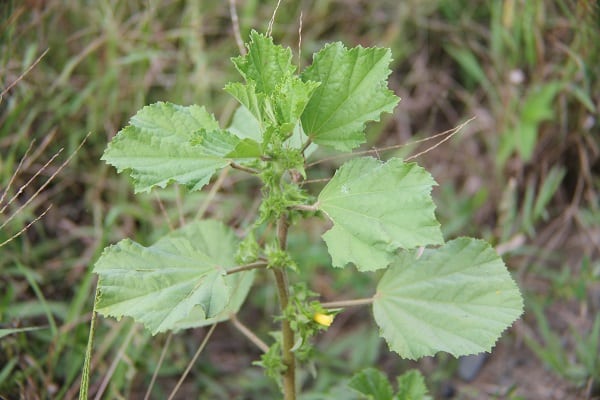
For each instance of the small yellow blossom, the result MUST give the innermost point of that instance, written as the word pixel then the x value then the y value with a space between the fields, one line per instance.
pixel 323 319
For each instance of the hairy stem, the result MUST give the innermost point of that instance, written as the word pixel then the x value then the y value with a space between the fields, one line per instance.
pixel 289 375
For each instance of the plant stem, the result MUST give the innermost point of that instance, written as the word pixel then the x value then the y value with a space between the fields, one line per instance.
pixel 85 374
pixel 306 207
pixel 305 146
pixel 247 267
pixel 348 303
pixel 289 361
pixel 242 168
pixel 248 333
pixel 192 362
pixel 163 353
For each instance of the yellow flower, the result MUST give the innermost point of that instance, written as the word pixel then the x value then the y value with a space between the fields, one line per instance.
pixel 323 319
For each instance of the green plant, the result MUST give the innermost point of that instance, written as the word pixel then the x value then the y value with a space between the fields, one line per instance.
pixel 455 297
pixel 375 385
pixel 571 353
pixel 582 368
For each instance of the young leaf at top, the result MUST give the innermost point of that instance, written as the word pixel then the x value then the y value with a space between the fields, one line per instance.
pixel 377 208
pixel 266 64
pixel 245 126
pixel 157 147
pixel 353 91
pixel 458 298
pixel 272 93
pixel 182 273
pixel 289 101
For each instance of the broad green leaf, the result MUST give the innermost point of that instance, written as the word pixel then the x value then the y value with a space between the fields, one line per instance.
pixel 353 91
pixel 266 64
pixel 161 285
pixel 214 143
pixel 246 148
pixel 377 208
pixel 458 298
pixel 156 147
pixel 411 386
pixel 372 383
pixel 239 284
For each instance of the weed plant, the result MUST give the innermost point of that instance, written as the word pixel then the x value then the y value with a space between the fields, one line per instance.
pixel 105 60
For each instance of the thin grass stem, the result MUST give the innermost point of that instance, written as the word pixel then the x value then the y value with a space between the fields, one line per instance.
pixel 192 362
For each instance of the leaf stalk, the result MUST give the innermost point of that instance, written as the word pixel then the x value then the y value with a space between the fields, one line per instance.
pixel 348 303
pixel 247 267
pixel 235 165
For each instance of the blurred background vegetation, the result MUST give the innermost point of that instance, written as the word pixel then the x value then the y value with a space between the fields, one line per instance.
pixel 523 175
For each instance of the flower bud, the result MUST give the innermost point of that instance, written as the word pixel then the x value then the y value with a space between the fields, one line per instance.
pixel 323 319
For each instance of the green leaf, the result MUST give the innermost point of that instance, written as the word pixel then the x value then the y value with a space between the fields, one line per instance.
pixel 290 99
pixel 253 102
pixel 281 108
pixel 156 147
pixel 182 273
pixel 472 67
pixel 214 143
pixel 372 383
pixel 239 285
pixel 266 64
pixel 535 108
pixel 245 125
pixel 11 331
pixel 377 208
pixel 353 91
pixel 246 148
pixel 458 298
pixel 411 386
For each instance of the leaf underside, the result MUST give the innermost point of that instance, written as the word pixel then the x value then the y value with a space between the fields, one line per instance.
pixel 178 277
pixel 458 298
pixel 378 208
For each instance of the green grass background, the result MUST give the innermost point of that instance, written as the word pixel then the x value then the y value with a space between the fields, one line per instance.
pixel 524 175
